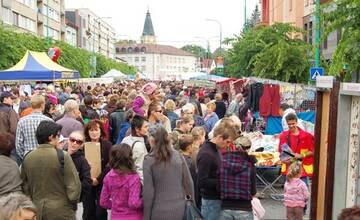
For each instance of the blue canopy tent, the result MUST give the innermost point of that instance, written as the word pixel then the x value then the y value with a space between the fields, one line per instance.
pixel 38 66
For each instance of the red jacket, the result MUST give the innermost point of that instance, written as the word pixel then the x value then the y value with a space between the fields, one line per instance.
pixel 300 144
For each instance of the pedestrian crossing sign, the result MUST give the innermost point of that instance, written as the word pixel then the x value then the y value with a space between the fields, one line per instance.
pixel 315 72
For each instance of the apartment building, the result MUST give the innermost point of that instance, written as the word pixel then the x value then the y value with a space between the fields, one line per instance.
pixel 44 18
pixel 301 14
pixel 93 32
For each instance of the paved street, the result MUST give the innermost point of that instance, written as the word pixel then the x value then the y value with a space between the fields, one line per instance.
pixel 275 210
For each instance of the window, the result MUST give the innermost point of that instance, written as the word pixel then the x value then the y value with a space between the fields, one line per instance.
pixel 53 14
pixel 310 32
pixel 143 68
pixel 290 5
pixel 130 50
pixel 84 42
pixel 137 50
pixel 306 32
pixel 15 18
pixel 136 59
pixel 143 49
pixel 29 3
pixel 7 15
pixel 51 33
pixel 325 46
pixel 143 59
pixel 123 50
pixel 117 50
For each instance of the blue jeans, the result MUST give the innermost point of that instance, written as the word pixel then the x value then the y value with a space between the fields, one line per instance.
pixel 227 214
pixel 210 209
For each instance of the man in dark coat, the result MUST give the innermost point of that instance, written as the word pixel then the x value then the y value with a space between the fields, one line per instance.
pixel 47 166
pixel 117 118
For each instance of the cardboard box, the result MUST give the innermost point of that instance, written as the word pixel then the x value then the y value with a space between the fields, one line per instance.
pixel 93 156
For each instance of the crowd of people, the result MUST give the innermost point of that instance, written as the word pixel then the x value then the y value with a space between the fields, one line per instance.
pixel 160 146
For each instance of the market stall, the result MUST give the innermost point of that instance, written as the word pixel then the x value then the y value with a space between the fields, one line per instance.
pixel 37 66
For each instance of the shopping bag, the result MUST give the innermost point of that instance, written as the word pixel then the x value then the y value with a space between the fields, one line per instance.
pixel 191 212
pixel 258 209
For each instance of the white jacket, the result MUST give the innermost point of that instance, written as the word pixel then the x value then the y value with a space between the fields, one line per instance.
pixel 139 151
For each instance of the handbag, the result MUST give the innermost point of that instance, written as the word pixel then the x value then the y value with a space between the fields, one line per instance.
pixel 258 209
pixel 191 211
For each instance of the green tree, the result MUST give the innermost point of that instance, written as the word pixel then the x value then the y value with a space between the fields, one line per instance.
pixel 274 52
pixel 254 19
pixel 344 15
pixel 197 50
pixel 13 46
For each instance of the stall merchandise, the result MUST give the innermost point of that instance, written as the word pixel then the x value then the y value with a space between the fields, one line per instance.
pixel 264 148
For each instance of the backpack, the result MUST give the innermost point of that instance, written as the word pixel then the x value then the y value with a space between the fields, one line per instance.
pixel 235 176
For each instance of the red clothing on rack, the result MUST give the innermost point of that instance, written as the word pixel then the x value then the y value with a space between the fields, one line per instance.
pixel 270 101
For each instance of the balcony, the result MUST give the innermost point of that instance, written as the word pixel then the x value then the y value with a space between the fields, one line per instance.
pixel 7 4
pixel 40 18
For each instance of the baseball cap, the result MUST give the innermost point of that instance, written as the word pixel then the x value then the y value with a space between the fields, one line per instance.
pixel 7 94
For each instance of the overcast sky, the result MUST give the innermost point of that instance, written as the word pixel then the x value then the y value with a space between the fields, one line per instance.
pixel 176 22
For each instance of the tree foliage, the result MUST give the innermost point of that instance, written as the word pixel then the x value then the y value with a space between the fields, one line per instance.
pixel 197 50
pixel 344 15
pixel 254 19
pixel 274 52
pixel 13 46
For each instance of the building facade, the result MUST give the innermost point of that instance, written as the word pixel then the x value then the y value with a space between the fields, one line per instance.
pixel 157 61
pixel 71 34
pixel 44 18
pixel 154 60
pixel 93 34
pixel 301 14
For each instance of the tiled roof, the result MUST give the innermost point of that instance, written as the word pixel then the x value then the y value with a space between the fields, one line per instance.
pixel 152 48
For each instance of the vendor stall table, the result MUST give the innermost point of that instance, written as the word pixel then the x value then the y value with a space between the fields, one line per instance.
pixel 261 171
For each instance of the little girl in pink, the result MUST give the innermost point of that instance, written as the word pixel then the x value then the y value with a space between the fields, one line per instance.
pixel 121 191
pixel 296 193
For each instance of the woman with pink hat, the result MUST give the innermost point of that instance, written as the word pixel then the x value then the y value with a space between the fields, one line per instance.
pixel 141 102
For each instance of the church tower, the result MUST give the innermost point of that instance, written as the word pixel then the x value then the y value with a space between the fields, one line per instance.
pixel 148 35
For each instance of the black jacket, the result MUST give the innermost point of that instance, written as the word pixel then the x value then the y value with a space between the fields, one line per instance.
pixel 208 164
pixel 105 155
pixel 83 168
pixel 220 109
pixel 117 118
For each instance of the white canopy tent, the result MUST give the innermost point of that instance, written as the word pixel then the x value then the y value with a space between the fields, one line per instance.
pixel 113 73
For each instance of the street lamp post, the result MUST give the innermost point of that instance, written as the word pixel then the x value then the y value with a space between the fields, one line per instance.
pixel 93 60
pixel 220 27
pixel 317 34
pixel 220 69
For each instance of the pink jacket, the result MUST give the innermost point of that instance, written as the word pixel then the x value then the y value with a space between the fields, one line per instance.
pixel 296 193
pixel 121 193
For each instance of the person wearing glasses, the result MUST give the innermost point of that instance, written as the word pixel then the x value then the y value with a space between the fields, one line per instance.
pixel 75 149
pixel 94 132
pixel 156 117
pixel 47 166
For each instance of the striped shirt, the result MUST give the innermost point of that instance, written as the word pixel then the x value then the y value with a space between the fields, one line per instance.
pixel 26 132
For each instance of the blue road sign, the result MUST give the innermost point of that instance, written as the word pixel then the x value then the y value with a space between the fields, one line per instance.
pixel 316 71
